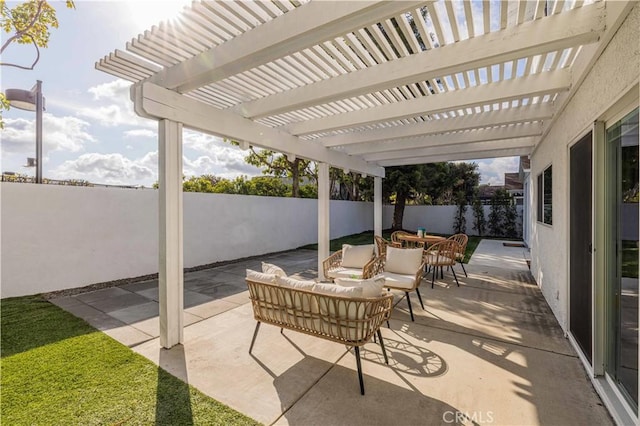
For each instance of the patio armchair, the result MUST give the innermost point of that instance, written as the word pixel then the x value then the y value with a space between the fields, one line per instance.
pixel 348 262
pixel 462 240
pixel 401 269
pixel 440 255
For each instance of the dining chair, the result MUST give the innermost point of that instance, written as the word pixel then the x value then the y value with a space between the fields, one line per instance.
pixel 440 255
pixel 462 240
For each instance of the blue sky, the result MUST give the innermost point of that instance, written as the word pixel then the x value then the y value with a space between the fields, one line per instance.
pixel 90 130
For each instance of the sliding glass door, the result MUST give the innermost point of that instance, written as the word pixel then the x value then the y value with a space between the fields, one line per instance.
pixel 622 365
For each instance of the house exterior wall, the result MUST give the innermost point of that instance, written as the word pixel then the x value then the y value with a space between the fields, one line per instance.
pixel 613 74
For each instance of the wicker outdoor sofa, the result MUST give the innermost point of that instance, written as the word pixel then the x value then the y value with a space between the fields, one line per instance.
pixel 320 310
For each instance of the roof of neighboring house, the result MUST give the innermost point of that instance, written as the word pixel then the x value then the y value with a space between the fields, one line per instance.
pixel 487 191
pixel 512 182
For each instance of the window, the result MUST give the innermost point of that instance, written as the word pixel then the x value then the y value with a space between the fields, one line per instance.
pixel 545 213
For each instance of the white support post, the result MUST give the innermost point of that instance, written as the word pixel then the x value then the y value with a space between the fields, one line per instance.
pixel 171 275
pixel 377 206
pixel 323 216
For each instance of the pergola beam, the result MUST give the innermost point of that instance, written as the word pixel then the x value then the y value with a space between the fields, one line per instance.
pixel 157 102
pixel 524 87
pixel 576 27
pixel 302 27
pixel 447 139
pixel 353 142
pixel 471 147
pixel 478 155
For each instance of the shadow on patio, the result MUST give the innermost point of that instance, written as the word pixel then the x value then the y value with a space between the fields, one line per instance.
pixel 489 351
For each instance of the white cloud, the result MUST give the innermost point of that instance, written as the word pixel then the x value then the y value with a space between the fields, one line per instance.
pixel 114 106
pixel 59 134
pixel 117 169
pixel 140 133
pixel 116 89
pixel 109 168
pixel 492 171
pixel 220 158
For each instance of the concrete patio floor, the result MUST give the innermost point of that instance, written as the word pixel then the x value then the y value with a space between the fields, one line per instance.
pixel 487 352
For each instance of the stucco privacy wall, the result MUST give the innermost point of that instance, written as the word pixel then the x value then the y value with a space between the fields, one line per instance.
pixel 58 237
pixel 440 219
pixel 612 75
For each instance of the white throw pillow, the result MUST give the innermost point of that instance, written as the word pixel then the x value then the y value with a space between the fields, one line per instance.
pixel 356 256
pixel 260 277
pixel 370 288
pixel 403 261
pixel 270 268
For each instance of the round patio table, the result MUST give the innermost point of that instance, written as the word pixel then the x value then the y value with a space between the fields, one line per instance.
pixel 427 239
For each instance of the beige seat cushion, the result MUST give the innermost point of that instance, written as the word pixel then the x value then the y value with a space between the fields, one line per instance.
pixel 342 272
pixel 357 256
pixel 370 288
pixel 338 314
pixel 442 259
pixel 398 280
pixel 403 261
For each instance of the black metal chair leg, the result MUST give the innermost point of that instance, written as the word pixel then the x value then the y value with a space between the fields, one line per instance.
pixel 433 276
pixel 420 298
pixel 410 308
pixel 359 369
pixel 464 270
pixel 281 330
pixel 454 276
pixel 255 334
pixel 384 351
pixel 442 273
pixel 388 325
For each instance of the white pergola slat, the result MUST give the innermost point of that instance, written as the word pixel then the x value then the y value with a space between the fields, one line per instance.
pixel 361 85
pixel 532 85
pixel 490 49
pixel 384 150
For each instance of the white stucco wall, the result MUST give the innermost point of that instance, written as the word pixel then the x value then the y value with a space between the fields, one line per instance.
pixel 58 237
pixel 439 219
pixel 612 75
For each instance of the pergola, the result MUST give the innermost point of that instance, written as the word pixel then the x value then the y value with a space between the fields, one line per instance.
pixel 357 85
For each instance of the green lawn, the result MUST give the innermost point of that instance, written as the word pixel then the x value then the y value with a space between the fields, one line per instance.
pixel 367 238
pixel 57 369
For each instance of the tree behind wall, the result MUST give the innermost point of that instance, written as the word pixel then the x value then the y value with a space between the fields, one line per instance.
pixel 460 220
pixel 503 215
pixel 402 183
pixel 479 219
